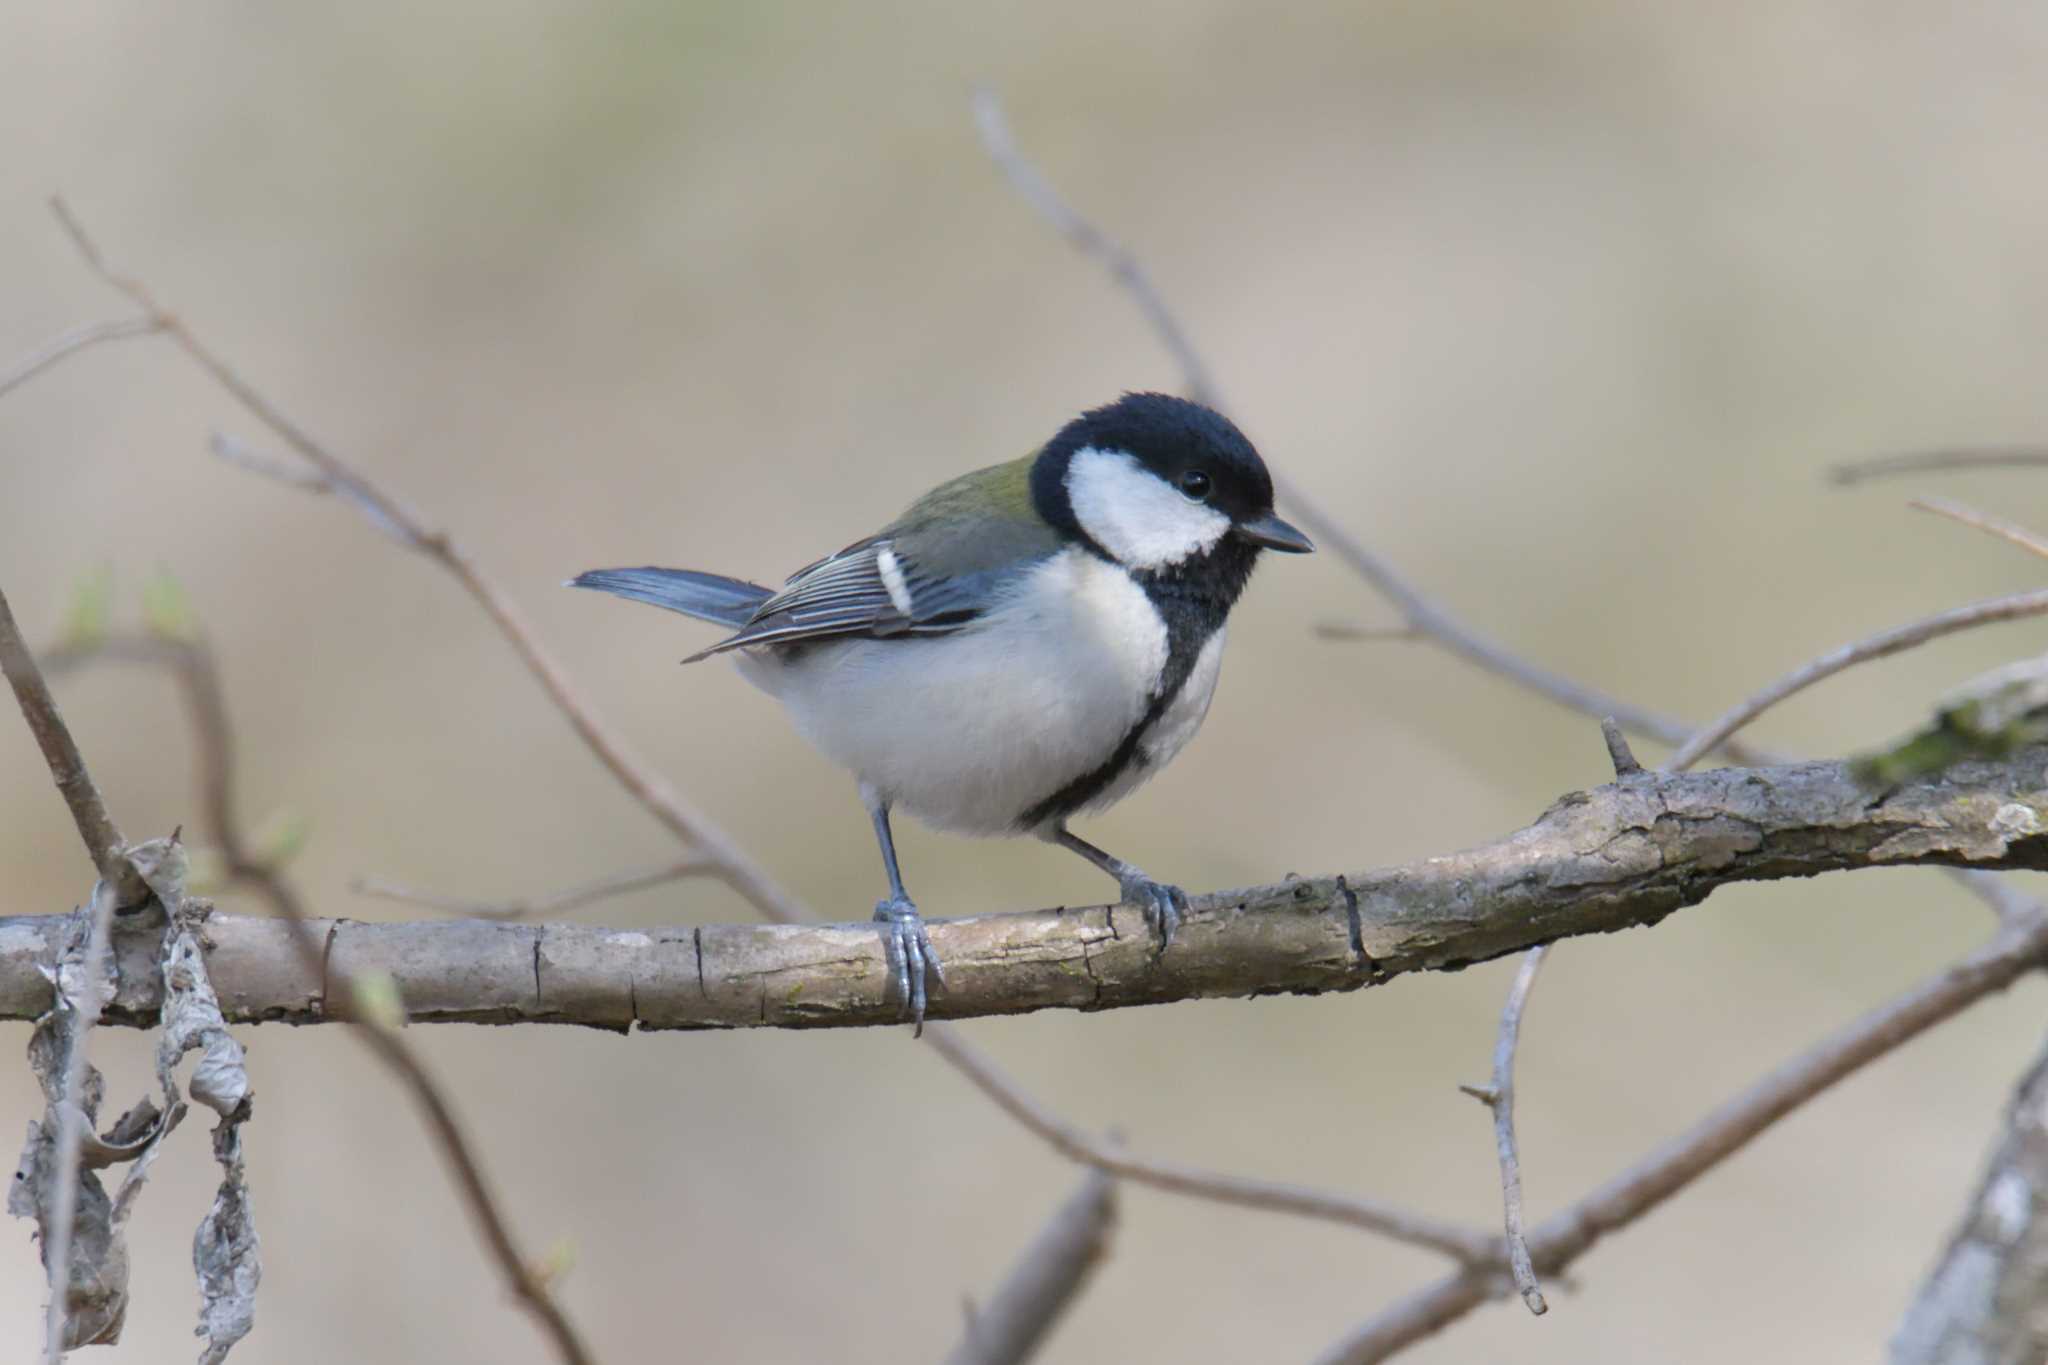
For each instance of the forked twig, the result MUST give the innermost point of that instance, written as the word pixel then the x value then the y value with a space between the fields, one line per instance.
pixel 1499 1096
pixel 1564 1237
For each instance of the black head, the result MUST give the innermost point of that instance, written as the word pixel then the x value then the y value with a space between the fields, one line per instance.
pixel 1153 482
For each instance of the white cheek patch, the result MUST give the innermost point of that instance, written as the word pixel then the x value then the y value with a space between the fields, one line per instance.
pixel 1136 515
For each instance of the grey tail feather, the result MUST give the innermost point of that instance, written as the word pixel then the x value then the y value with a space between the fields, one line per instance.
pixel 706 596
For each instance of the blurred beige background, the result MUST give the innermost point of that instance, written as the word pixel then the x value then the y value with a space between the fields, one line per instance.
pixel 1565 306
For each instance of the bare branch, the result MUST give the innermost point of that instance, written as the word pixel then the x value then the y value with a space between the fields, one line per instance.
pixel 1562 1239
pixel 1899 638
pixel 1112 1158
pixel 103 841
pixel 1051 1273
pixel 554 903
pixel 1500 1098
pixel 2010 532
pixel 1937 461
pixel 72 342
pixel 1421 614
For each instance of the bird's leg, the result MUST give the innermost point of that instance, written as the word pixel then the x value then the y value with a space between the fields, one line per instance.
pixel 1163 905
pixel 908 948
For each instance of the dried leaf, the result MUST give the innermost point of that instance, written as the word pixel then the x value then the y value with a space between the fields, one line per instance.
pixel 225 1253
pixel 225 1249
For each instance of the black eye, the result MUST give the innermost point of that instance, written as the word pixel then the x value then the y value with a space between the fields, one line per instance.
pixel 1194 486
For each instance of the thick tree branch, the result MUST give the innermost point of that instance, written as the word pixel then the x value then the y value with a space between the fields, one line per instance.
pixel 1986 1302
pixel 1622 855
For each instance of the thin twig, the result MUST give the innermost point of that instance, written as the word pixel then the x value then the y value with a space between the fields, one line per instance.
pixel 383 1042
pixel 2011 532
pixel 103 842
pixel 71 1116
pixel 1500 1098
pixel 242 455
pixel 1047 1277
pixel 78 339
pixel 1347 630
pixel 617 884
pixel 1937 461
pixel 1563 1238
pixel 1452 1239
pixel 1091 240
pixel 1898 638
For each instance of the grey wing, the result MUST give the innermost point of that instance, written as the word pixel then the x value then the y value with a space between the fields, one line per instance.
pixel 871 589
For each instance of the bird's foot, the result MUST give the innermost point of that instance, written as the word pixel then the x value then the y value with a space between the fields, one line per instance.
pixel 910 955
pixel 1163 905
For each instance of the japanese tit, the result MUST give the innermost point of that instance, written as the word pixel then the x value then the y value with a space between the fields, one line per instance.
pixel 1027 642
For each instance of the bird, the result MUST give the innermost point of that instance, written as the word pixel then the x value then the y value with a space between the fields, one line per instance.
pixel 1028 642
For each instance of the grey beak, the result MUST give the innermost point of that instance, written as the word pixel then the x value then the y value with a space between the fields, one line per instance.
pixel 1274 534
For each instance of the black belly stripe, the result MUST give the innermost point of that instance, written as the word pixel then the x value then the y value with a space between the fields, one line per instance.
pixel 1193 599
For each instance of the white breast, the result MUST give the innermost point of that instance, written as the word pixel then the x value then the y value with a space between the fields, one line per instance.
pixel 968 730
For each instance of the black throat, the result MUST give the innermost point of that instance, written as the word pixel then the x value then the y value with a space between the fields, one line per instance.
pixel 1194 599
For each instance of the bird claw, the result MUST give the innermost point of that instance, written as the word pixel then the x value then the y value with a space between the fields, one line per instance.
pixel 1163 905
pixel 910 955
